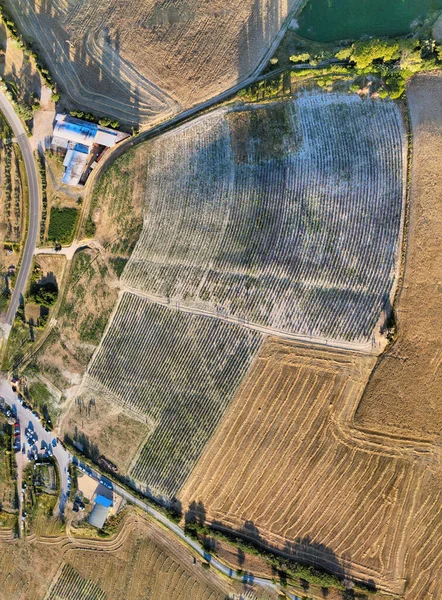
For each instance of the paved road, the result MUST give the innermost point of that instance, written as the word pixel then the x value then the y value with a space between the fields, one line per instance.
pixel 34 209
pixel 25 417
pixel 64 457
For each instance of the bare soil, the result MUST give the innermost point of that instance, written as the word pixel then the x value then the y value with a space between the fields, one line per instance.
pixel 404 392
pixel 117 435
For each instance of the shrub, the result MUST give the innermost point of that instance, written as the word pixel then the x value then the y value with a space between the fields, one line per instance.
pixel 300 58
pixel 62 225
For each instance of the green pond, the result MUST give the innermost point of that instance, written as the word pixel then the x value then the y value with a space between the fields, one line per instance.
pixel 330 20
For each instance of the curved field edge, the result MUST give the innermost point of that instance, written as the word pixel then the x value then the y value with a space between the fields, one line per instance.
pixel 401 398
pixel 141 561
pixel 288 471
pixel 319 264
pixel 175 372
pixel 142 62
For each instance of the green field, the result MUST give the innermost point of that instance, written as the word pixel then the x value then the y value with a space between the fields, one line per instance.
pixel 62 225
pixel 330 20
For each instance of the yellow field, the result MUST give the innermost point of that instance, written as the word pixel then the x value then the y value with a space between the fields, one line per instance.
pixel 285 466
pixel 139 61
pixel 141 562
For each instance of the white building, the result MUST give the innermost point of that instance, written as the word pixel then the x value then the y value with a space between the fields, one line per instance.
pixel 83 142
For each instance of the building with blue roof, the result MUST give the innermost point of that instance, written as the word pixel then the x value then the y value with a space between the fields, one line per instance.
pixel 83 142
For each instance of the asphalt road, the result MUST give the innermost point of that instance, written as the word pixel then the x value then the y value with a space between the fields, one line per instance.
pixel 25 416
pixel 64 457
pixel 34 209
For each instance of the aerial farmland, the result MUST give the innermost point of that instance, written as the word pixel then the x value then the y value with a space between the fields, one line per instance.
pixel 140 63
pixel 220 341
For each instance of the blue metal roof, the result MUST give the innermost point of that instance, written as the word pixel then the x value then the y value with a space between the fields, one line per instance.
pixel 99 499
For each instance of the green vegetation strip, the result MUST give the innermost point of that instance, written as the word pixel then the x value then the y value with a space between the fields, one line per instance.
pixel 62 225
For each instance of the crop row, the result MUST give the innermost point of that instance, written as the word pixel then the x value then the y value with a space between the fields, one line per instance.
pixel 176 370
pixel 71 586
pixel 292 223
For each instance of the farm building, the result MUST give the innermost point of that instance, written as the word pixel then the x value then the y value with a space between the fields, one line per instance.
pixel 84 144
pixel 100 511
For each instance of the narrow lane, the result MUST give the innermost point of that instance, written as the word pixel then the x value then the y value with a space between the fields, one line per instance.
pixel 33 209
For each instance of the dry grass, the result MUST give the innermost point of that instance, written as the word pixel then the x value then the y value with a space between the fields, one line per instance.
pixel 86 308
pixel 139 61
pixel 140 562
pixel 403 395
pixel 117 435
pixel 285 467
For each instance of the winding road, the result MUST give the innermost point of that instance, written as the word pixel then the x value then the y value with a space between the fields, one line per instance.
pixel 22 139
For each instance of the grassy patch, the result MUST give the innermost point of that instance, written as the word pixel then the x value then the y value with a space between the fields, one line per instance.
pixel 118 263
pixel 8 499
pixel 62 225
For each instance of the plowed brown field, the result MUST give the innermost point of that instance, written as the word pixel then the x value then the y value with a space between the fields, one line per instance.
pixel 404 394
pixel 286 467
pixel 141 60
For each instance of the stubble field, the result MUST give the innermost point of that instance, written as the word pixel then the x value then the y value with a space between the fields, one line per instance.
pixel 287 468
pixel 140 562
pixel 403 395
pixel 143 61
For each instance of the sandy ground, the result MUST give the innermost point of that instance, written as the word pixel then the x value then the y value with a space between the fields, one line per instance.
pixel 404 392
pixel 140 61
pixel 286 467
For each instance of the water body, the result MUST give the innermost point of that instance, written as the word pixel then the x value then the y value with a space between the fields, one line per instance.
pixel 331 20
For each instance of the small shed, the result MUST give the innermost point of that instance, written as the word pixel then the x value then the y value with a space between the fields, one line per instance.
pixel 100 511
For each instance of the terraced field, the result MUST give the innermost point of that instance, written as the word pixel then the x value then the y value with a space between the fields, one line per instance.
pixel 140 62
pixel 70 586
pixel 175 371
pixel 141 562
pixel 286 467
pixel 286 216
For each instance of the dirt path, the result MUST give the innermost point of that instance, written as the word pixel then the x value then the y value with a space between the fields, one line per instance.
pixel 375 347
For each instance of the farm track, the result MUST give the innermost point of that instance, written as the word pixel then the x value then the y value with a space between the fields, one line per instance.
pixel 112 46
pixel 139 551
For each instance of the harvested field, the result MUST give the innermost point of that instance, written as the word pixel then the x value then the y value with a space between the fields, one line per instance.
pixel 142 61
pixel 286 468
pixel 320 261
pixel 403 395
pixel 175 371
pixel 141 562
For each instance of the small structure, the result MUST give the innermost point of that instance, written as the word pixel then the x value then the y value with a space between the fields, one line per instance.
pixel 84 144
pixel 100 511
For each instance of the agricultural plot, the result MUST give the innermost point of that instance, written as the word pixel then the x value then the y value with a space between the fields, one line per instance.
pixel 70 586
pixel 286 216
pixel 62 225
pixel 177 372
pixel 403 396
pixel 142 61
pixel 287 469
pixel 140 562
